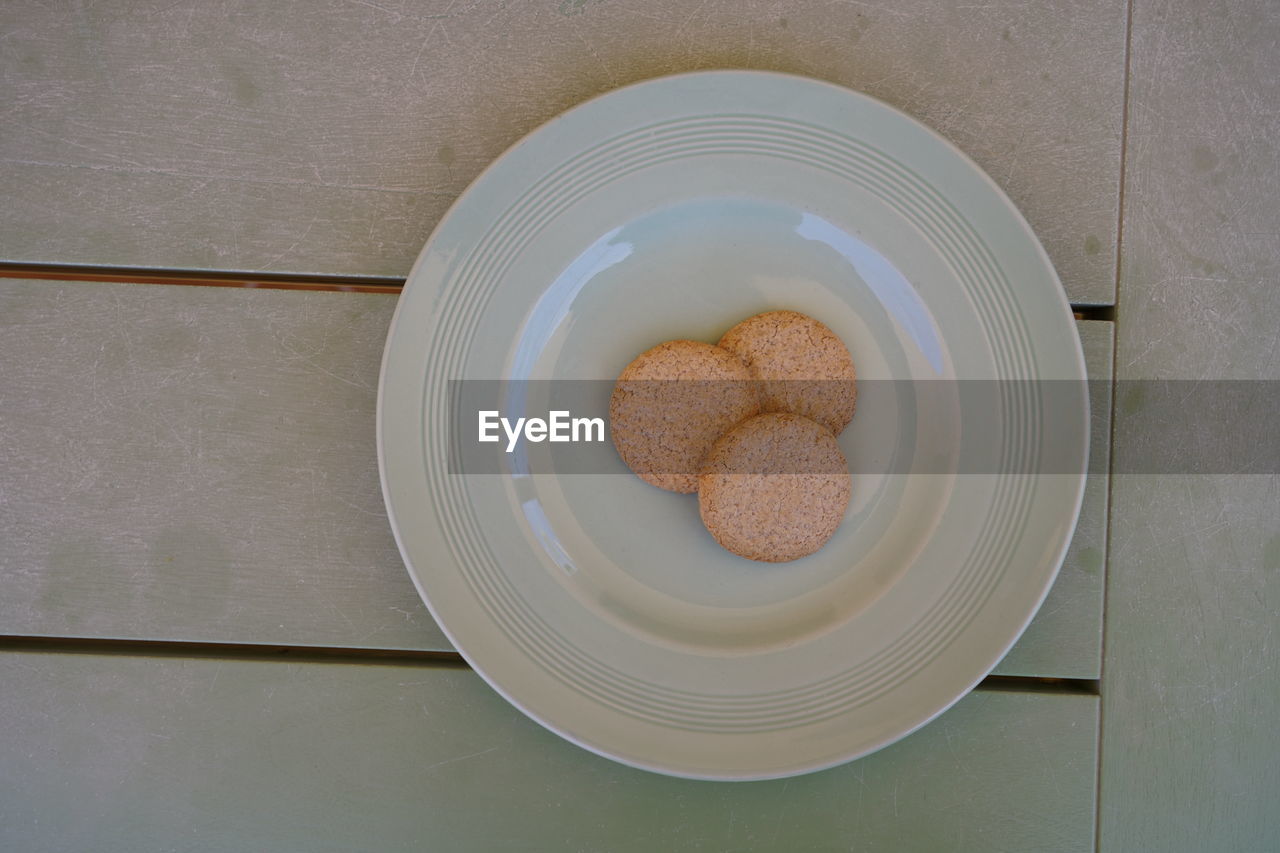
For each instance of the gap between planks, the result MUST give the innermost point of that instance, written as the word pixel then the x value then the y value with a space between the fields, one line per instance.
pixel 227 651
pixel 220 278
pixel 390 657
pixel 285 281
pixel 1121 180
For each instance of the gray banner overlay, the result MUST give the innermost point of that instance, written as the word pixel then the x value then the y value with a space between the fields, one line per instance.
pixel 904 427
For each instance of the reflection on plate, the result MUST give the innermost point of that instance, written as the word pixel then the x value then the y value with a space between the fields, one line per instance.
pixel 598 604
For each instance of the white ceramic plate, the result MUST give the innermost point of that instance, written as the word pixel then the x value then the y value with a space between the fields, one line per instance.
pixel 674 208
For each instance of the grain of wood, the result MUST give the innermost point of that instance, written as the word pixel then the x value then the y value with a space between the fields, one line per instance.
pixel 1191 686
pixel 192 463
pixel 125 754
pixel 251 136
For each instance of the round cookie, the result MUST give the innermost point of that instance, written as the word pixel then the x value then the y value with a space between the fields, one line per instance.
pixel 803 366
pixel 775 488
pixel 672 403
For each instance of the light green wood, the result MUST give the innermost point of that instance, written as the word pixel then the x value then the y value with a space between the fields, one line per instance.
pixel 197 463
pixel 125 754
pixel 1065 638
pixel 1191 687
pixel 254 136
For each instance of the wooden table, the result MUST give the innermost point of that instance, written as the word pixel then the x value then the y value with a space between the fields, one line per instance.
pixel 209 641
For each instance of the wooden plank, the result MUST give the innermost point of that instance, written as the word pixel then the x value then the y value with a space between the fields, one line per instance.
pixel 207 473
pixel 196 463
pixel 1065 638
pixel 109 753
pixel 247 136
pixel 1191 685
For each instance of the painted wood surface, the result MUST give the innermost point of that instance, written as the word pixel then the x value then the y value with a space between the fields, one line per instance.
pixel 330 137
pixel 113 753
pixel 1191 685
pixel 198 464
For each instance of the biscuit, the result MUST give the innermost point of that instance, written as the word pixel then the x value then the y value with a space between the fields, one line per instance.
pixel 803 367
pixel 775 488
pixel 672 403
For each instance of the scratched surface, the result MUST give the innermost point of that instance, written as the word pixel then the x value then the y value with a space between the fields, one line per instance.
pixel 330 137
pixel 198 464
pixel 127 754
pixel 1191 687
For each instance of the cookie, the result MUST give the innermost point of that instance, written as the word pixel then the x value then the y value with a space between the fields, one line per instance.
pixel 775 488
pixel 803 367
pixel 672 403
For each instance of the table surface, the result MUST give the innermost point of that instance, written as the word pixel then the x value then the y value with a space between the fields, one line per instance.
pixel 208 640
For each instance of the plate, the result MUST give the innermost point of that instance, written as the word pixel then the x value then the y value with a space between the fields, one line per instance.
pixel 674 208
